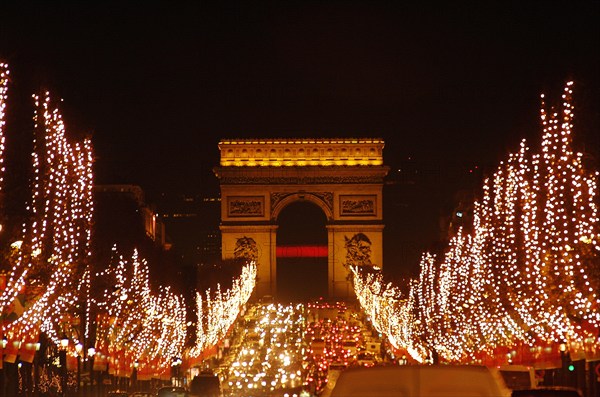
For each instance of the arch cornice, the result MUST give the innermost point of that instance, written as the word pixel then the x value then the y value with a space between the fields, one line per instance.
pixel 280 200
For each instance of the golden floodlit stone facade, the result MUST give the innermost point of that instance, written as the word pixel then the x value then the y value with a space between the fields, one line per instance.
pixel 343 177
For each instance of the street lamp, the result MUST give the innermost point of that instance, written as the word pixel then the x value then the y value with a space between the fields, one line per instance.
pixel 565 361
pixel 36 369
pixel 91 352
pixel 136 364
pixel 176 368
pixel 64 343
pixel 78 349
pixel 2 372
pixel 562 347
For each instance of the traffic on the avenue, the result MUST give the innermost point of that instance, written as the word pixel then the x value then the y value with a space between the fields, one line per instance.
pixel 295 349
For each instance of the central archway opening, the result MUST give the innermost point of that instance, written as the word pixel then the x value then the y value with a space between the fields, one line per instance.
pixel 301 252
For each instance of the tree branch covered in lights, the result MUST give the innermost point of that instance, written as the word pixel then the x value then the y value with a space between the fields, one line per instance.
pixel 390 314
pixel 4 73
pixel 526 276
pixel 217 312
pixel 51 263
pixel 136 325
pixel 55 246
pixel 51 266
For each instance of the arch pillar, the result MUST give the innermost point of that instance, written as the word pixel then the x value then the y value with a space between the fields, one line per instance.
pixel 338 236
pixel 265 237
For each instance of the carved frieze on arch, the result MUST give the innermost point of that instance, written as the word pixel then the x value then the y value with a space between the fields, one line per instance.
pixel 279 200
pixel 246 248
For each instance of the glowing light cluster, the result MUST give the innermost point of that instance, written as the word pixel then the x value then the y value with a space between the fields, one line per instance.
pixel 56 240
pixel 51 267
pixel 270 357
pixel 134 325
pixel 389 313
pixel 217 312
pixel 526 277
pixel 4 73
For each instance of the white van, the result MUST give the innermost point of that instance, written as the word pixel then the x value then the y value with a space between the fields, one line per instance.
pixel 420 381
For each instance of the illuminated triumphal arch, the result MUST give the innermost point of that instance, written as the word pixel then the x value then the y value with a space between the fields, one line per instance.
pixel 343 177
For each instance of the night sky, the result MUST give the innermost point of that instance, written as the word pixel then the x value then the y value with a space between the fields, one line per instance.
pixel 158 84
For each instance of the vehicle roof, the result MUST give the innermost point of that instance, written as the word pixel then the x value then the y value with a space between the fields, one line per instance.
pixel 206 373
pixel 172 391
pixel 514 368
pixel 548 391
pixel 420 380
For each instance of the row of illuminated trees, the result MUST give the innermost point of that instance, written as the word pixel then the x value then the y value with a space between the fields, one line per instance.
pixel 524 280
pixel 51 290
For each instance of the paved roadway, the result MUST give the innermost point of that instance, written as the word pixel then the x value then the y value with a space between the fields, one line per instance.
pixel 299 349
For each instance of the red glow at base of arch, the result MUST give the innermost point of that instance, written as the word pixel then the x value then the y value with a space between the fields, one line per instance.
pixel 302 251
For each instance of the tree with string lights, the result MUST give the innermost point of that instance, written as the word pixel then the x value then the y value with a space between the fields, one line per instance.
pixel 526 276
pixel 136 327
pixel 53 251
pixel 217 311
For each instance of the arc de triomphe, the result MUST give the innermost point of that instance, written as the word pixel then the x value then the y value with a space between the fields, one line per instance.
pixel 343 177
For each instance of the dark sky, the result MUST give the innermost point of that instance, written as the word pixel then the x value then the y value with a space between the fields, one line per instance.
pixel 158 84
